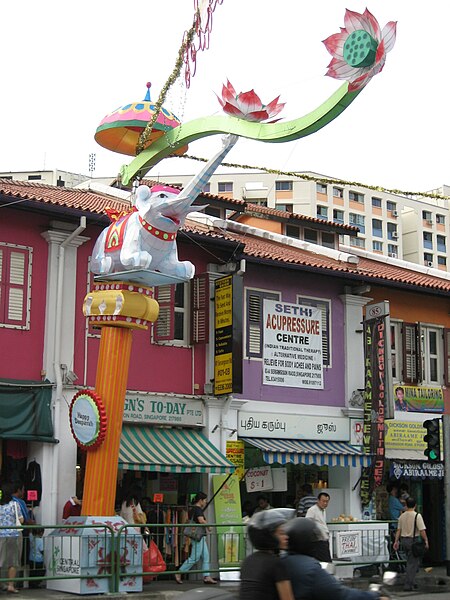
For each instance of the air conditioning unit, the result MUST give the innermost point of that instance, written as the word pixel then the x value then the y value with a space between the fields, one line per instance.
pixel 429 263
pixel 392 254
pixel 395 213
pixel 394 235
pixel 429 221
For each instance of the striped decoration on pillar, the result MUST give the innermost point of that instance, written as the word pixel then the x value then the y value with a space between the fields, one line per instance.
pixel 111 383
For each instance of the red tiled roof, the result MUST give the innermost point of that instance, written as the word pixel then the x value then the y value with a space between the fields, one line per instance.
pixel 240 203
pixel 269 250
pixel 83 200
pixel 254 247
pixel 284 214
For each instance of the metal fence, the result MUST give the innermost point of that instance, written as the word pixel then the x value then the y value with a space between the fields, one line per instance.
pixel 108 558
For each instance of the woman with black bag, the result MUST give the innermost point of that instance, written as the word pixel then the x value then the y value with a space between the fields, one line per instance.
pixel 412 534
pixel 199 545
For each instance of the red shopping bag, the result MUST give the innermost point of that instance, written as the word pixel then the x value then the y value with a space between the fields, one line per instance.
pixel 152 561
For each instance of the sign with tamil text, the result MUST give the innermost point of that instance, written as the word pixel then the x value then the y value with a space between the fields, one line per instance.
pixel 292 350
pixel 285 426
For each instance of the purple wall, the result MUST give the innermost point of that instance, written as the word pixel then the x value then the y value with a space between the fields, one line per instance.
pixel 291 283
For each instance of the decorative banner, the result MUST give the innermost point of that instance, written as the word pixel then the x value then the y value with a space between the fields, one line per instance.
pixel 235 453
pixel 292 353
pixel 227 508
pixel 228 335
pixel 416 470
pixel 376 361
pixel 87 419
pixel 418 399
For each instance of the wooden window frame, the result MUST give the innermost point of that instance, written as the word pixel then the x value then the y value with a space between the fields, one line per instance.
pixel 7 286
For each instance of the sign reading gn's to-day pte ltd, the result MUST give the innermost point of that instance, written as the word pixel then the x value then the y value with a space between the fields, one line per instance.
pixel 161 410
pixel 292 351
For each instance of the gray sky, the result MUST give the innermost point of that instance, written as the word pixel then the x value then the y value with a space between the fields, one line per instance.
pixel 66 65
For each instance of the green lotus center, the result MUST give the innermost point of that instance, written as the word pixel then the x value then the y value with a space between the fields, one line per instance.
pixel 360 49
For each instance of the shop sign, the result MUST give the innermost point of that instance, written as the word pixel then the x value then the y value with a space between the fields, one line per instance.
pixel 292 351
pixel 417 470
pixel 419 399
pixel 356 432
pixel 348 543
pixel 235 452
pixel 228 335
pixel 301 427
pixel 404 435
pixel 377 398
pixel 259 479
pixel 163 410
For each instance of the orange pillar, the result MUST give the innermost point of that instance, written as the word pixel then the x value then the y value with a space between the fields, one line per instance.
pixel 99 491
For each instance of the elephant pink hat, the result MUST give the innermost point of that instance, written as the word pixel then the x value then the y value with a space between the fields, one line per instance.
pixel 164 188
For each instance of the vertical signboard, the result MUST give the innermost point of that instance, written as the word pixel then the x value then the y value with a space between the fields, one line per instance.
pixel 377 396
pixel 228 335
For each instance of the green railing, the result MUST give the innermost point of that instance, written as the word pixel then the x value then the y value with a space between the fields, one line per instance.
pixel 120 552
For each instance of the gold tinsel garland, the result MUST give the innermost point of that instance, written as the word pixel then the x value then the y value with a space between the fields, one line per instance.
pixel 145 135
pixel 324 180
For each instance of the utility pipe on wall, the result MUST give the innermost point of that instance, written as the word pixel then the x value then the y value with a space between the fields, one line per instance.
pixel 57 364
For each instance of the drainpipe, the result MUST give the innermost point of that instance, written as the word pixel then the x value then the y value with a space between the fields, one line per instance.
pixel 57 364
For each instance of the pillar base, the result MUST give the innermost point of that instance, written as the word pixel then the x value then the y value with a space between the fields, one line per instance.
pixel 87 551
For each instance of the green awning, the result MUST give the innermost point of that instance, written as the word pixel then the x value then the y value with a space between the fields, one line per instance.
pixel 170 451
pixel 25 410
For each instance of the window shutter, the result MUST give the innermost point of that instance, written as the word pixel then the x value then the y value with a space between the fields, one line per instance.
pixel 200 309
pixel 410 353
pixel 163 328
pixel 447 357
pixel 254 321
pixel 16 280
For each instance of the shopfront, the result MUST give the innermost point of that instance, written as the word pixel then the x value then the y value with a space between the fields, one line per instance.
pixel 26 426
pixel 313 449
pixel 407 465
pixel 164 451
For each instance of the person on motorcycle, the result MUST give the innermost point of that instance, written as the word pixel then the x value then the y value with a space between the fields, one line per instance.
pixel 263 573
pixel 309 580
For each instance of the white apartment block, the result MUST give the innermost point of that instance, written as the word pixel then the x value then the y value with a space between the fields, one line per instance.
pixel 49 177
pixel 412 229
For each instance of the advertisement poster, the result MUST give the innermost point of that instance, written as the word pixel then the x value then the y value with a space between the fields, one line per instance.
pixel 411 398
pixel 235 453
pixel 227 506
pixel 292 351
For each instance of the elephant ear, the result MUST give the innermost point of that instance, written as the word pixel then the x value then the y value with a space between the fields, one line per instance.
pixel 143 198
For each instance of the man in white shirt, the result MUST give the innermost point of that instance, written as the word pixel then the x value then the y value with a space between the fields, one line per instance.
pixel 318 514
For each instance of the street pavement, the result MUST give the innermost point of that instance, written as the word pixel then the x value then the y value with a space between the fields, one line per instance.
pixel 435 582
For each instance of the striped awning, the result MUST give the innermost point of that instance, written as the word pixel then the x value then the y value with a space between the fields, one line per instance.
pixel 333 454
pixel 170 451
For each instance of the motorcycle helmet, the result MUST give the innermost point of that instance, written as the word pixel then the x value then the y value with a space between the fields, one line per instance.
pixel 262 526
pixel 302 534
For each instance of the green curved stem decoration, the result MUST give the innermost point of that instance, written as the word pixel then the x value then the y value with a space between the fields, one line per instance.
pixel 264 132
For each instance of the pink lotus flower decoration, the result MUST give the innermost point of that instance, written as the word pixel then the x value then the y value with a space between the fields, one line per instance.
pixel 359 50
pixel 247 105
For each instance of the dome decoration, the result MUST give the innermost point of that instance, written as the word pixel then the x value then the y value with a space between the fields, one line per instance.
pixel 119 131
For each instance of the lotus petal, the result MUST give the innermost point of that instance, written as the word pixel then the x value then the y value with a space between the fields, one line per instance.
pixel 389 35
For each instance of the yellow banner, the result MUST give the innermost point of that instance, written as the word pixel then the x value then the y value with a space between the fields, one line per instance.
pixel 404 435
pixel 236 454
